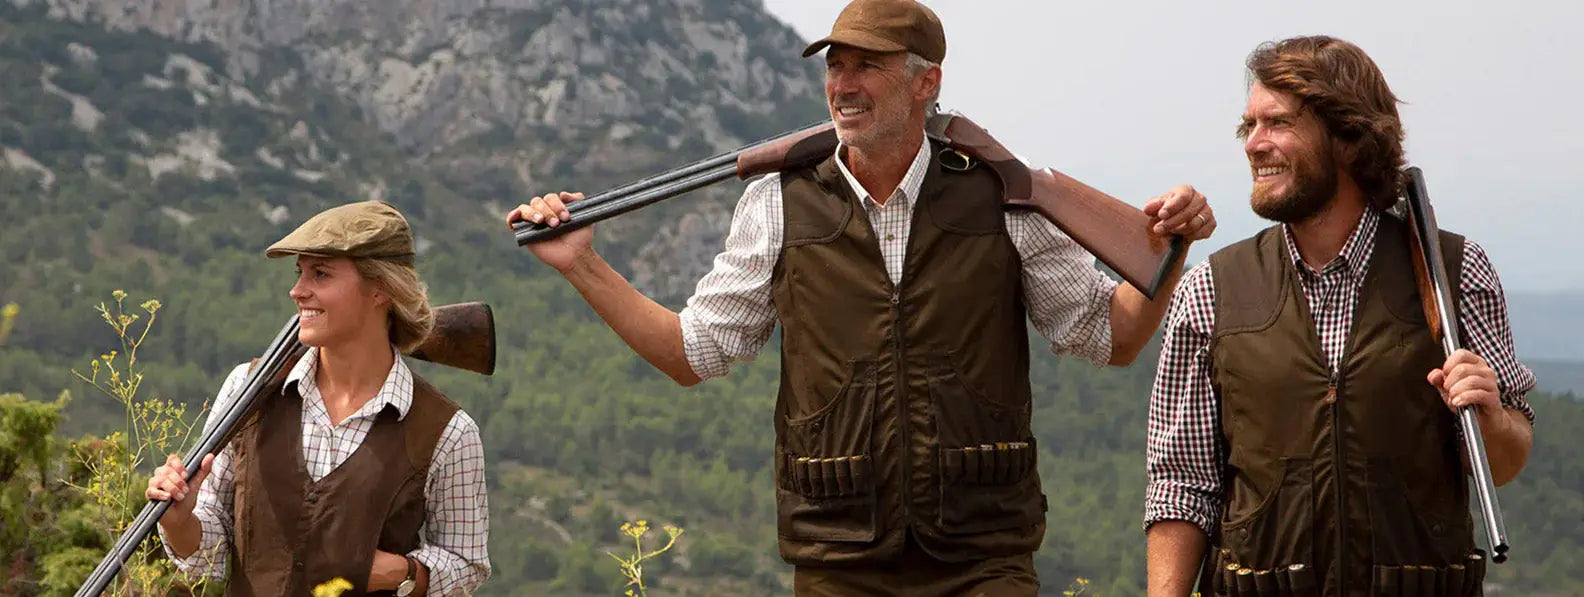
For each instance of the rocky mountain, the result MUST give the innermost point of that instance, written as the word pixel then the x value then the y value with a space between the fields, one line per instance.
pixel 158 147
pixel 499 100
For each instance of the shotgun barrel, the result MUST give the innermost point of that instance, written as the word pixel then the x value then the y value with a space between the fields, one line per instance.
pixel 665 185
pixel 1436 290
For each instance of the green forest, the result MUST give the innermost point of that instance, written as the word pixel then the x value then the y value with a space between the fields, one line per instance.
pixel 580 434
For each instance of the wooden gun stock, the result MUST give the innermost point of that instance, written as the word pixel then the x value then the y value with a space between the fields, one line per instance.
pixel 463 337
pixel 802 149
pixel 1117 233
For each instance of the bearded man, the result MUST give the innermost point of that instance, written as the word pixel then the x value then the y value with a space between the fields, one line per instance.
pixel 1302 426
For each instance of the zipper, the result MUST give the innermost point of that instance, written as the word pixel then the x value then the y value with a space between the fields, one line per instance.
pixel 1333 396
pixel 901 400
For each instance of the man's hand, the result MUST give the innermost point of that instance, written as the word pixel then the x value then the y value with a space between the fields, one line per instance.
pixel 1466 380
pixel 562 252
pixel 1183 211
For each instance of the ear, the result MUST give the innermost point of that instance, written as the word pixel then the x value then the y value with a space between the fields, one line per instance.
pixel 927 84
pixel 1345 152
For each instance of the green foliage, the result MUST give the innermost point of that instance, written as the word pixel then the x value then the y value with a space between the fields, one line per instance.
pixel 580 434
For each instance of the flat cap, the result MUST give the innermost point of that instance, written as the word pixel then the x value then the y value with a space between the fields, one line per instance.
pixel 887 26
pixel 366 229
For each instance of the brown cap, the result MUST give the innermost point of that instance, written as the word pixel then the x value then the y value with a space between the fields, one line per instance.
pixel 887 26
pixel 366 229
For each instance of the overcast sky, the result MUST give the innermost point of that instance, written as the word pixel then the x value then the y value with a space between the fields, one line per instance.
pixel 1135 97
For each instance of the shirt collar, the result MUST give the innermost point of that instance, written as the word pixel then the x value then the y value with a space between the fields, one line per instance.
pixel 911 182
pixel 396 391
pixel 1354 252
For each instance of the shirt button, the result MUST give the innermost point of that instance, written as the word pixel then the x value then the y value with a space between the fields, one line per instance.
pixel 890 237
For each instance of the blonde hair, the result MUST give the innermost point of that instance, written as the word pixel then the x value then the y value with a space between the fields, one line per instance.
pixel 411 317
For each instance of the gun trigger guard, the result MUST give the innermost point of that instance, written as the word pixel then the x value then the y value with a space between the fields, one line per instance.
pixel 952 159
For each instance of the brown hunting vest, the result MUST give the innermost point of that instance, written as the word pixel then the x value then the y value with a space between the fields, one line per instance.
pixel 902 409
pixel 290 533
pixel 1356 477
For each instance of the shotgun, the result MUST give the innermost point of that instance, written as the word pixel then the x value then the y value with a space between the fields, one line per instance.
pixel 1116 233
pixel 463 337
pixel 1435 295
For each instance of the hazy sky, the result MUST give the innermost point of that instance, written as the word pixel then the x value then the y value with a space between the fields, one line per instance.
pixel 1135 97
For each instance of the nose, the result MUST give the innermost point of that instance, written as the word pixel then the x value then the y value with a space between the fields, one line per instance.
pixel 1257 142
pixel 838 82
pixel 299 291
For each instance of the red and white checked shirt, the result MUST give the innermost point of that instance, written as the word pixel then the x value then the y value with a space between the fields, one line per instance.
pixel 1184 455
pixel 456 524
pixel 731 314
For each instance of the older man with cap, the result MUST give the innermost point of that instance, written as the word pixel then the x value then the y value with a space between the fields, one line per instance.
pixel 904 460
pixel 352 466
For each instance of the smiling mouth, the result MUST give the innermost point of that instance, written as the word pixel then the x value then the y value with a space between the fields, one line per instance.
pixel 851 111
pixel 309 314
pixel 1269 171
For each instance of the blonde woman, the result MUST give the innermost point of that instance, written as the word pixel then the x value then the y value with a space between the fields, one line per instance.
pixel 353 466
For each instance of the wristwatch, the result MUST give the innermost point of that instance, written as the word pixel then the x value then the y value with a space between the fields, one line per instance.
pixel 411 582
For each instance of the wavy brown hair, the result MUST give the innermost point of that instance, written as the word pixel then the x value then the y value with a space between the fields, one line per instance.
pixel 1343 87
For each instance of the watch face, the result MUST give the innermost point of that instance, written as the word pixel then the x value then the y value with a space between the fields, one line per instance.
pixel 405 588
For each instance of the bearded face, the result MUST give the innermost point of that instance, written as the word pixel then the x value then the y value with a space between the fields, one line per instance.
pixel 1291 157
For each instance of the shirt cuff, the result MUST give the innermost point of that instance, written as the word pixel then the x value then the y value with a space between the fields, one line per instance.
pixel 449 574
pixel 206 560
pixel 1167 502
pixel 1097 349
pixel 704 356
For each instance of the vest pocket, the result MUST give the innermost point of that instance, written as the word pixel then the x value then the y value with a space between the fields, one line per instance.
pixel 1410 531
pixel 1275 530
pixel 825 489
pixel 989 487
pixel 965 417
pixel 1465 579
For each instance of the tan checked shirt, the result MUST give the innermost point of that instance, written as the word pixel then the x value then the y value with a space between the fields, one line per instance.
pixel 731 314
pixel 456 527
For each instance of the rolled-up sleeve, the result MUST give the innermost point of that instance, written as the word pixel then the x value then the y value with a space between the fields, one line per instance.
pixel 1069 299
pixel 455 545
pixel 1483 317
pixel 731 314
pixel 1184 449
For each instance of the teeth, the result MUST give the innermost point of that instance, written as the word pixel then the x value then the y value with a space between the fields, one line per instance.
pixel 310 313
pixel 851 111
pixel 1269 171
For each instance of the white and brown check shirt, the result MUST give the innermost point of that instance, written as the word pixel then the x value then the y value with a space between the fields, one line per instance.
pixel 455 533
pixel 1184 454
pixel 731 313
